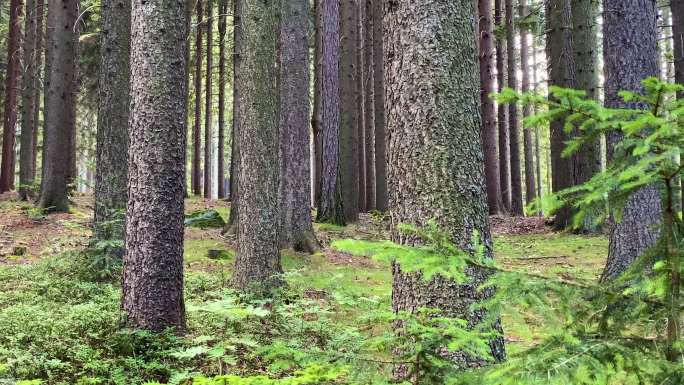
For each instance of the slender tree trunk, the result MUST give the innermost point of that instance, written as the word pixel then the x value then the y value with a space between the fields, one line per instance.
pixel 330 208
pixel 40 49
pixel 677 9
pixel 208 108
pixel 489 128
pixel 381 199
pixel 60 105
pixel 197 130
pixel 630 55
pixel 258 257
pixel 296 229
pixel 537 135
pixel 11 97
pixel 223 9
pixel 502 118
pixel 530 184
pixel 369 103
pixel 111 192
pixel 513 120
pixel 360 68
pixel 27 166
pixel 231 226
pixel 316 121
pixel 152 286
pixel 188 25
pixel 433 122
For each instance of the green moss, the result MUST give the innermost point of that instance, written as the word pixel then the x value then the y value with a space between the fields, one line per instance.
pixel 328 227
pixel 196 249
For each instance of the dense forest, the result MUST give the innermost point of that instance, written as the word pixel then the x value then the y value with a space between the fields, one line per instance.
pixel 329 192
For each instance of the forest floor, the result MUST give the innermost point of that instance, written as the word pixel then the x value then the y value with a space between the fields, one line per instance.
pixel 42 299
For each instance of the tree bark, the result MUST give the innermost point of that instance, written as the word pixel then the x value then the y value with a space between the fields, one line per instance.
pixel 294 193
pixel 369 103
pixel 152 297
pixel 40 50
pixel 316 120
pixel 197 130
pixel 630 55
pixel 513 120
pixel 111 192
pixel 208 108
pixel 436 167
pixel 502 113
pixel 258 257
pixel 360 73
pixel 677 9
pixel 381 199
pixel 188 26
pixel 60 105
pixel 530 183
pixel 489 128
pixel 223 10
pixel 231 226
pixel 11 97
pixel 27 166
pixel 537 135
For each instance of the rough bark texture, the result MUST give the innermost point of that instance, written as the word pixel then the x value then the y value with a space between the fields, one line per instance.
pixel 530 184
pixel 197 129
pixel 296 229
pixel 489 128
pixel 436 167
pixel 630 55
pixel 369 103
pixel 330 207
pixel 258 258
pixel 513 119
pixel 231 226
pixel 208 100
pixel 677 10
pixel 152 296
pixel 60 104
pixel 349 111
pixel 111 192
pixel 27 166
pixel 223 10
pixel 360 96
pixel 317 118
pixel 11 91
pixel 502 113
pixel 381 199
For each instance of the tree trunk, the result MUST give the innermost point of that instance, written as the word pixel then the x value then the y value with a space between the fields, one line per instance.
pixel 381 199
pixel 11 97
pixel 231 226
pixel 677 9
pixel 360 73
pixel 513 120
pixel 435 151
pixel 349 111
pixel 502 118
pixel 152 285
pixel 330 208
pixel 369 103
pixel 27 165
pixel 111 192
pixel 295 166
pixel 258 257
pixel 188 26
pixel 316 120
pixel 40 33
pixel 223 10
pixel 630 55
pixel 537 135
pixel 60 105
pixel 489 129
pixel 197 130
pixel 530 183
pixel 208 108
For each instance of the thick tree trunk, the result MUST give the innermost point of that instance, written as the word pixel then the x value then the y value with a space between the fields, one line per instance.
pixel 316 120
pixel 27 166
pixel 152 286
pixel 436 167
pixel 489 128
pixel 330 208
pixel 197 129
pixel 296 229
pixel 630 55
pixel 381 199
pixel 369 103
pixel 258 257
pixel 502 113
pixel 111 192
pixel 208 108
pixel 513 119
pixel 530 183
pixel 223 10
pixel 231 226
pixel 60 105
pixel 11 97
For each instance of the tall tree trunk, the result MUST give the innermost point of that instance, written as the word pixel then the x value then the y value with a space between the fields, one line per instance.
pixel 111 192
pixel 208 108
pixel 330 206
pixel 317 119
pixel 677 9
pixel 489 128
pixel 60 105
pixel 188 26
pixel 530 183
pixel 27 166
pixel 296 229
pixel 349 111
pixel 381 199
pixel 630 55
pixel 433 122
pixel 537 135
pixel 502 113
pixel 11 99
pixel 223 10
pixel 197 130
pixel 513 120
pixel 360 68
pixel 369 103
pixel 231 226
pixel 152 285
pixel 40 50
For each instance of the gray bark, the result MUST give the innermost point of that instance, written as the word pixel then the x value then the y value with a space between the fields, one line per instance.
pixel 12 82
pixel 513 119
pixel 369 104
pixel 197 129
pixel 530 183
pixel 208 107
pixel 231 226
pixel 223 10
pixel 27 165
pixel 40 48
pixel 502 110
pixel 379 99
pixel 316 120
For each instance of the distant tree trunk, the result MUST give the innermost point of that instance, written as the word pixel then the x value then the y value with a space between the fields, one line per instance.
pixel 208 108
pixel 677 9
pixel 514 123
pixel 223 10
pixel 188 26
pixel 530 183
pixel 111 192
pixel 434 124
pixel 40 50
pixel 231 226
pixel 360 69
pixel 381 199
pixel 294 193
pixel 197 130
pixel 369 103
pixel 489 129
pixel 152 285
pixel 349 111
pixel 27 166
pixel 502 118
pixel 317 120
pixel 60 105
pixel 330 207
pixel 11 99
pixel 630 55
pixel 537 136
pixel 258 257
